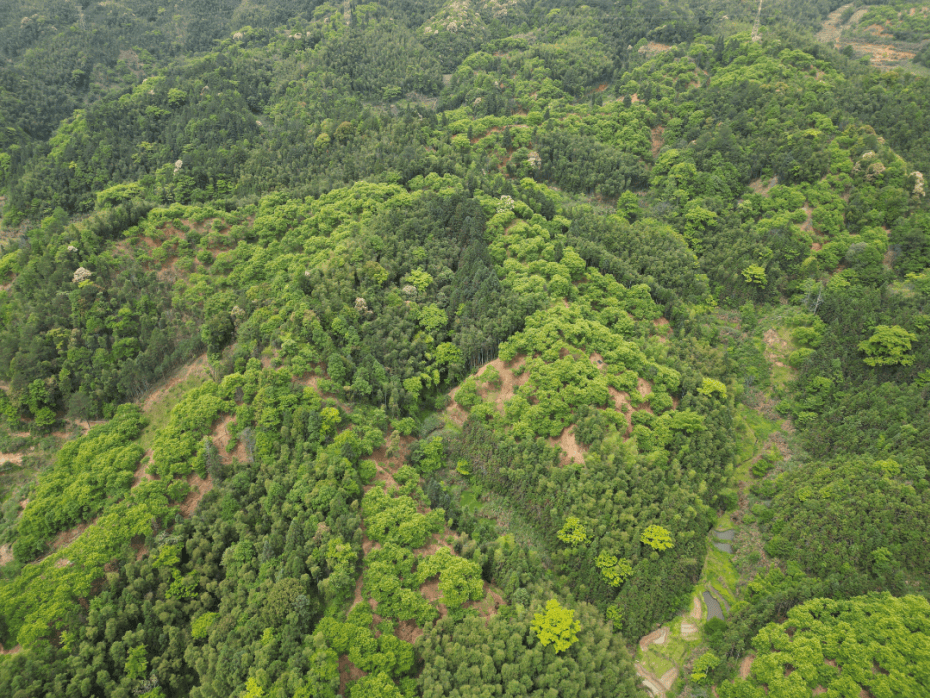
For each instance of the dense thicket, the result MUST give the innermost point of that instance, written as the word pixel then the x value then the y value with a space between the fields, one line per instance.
pixel 349 209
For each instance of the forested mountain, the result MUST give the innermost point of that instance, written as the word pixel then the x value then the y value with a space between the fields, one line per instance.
pixel 464 349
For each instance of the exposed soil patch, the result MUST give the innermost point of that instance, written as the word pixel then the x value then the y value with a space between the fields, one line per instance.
pixel 888 259
pixel 16 458
pixel 689 631
pixel 181 375
pixel 388 465
pixel 644 387
pixel 138 545
pixel 368 545
pixel 572 451
pixel 386 478
pixel 86 426
pixel 808 226
pixel 359 597
pixel 653 48
pixel 622 404
pixel 652 682
pixel 657 139
pixel 762 188
pixel 697 610
pixel 12 650
pixel 745 666
pixel 832 27
pixel 6 554
pixel 456 413
pixel 221 438
pixel 882 55
pixel 777 348
pixel 408 631
pixel 509 382
pixel 656 637
pixel 310 379
pixel 430 589
pixel 437 541
pixel 489 605
pixel 431 593
pixel 66 538
pixel 142 471
pixel 200 488
pixel 668 678
pixel 347 672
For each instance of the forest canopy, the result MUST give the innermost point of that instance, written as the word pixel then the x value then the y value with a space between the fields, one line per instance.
pixel 464 349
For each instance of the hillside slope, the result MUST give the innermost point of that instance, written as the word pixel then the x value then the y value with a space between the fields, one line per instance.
pixel 458 349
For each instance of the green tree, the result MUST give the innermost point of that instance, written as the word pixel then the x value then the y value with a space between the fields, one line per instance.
pixel 754 274
pixel 710 386
pixel 136 662
pixel 573 532
pixel 615 570
pixel 702 665
pixel 657 537
pixel 888 346
pixel 253 689
pixel 467 394
pixel 557 626
pixel 375 686
pixel 420 279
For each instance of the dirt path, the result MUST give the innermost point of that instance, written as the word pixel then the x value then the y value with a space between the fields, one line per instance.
pixel 689 631
pixel 142 472
pixel 653 683
pixel 656 637
pixel 509 383
pixel 348 672
pixel 831 30
pixel 181 375
pixel 572 451
pixel 221 438
pixel 697 610
pixel 199 487
pixel 68 536
pixel 883 55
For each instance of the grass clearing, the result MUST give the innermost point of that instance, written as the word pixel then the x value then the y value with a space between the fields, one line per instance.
pixel 754 429
pixel 159 410
pixel 671 654
pixel 720 574
pixel 470 498
pixel 511 521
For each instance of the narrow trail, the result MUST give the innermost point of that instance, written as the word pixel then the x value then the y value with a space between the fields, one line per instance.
pixel 830 33
pixel 887 54
pixel 652 682
pixel 757 24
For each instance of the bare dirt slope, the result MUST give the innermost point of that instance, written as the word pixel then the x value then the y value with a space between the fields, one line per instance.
pixel 884 51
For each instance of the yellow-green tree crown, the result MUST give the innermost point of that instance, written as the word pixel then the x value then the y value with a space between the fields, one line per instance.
pixel 557 626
